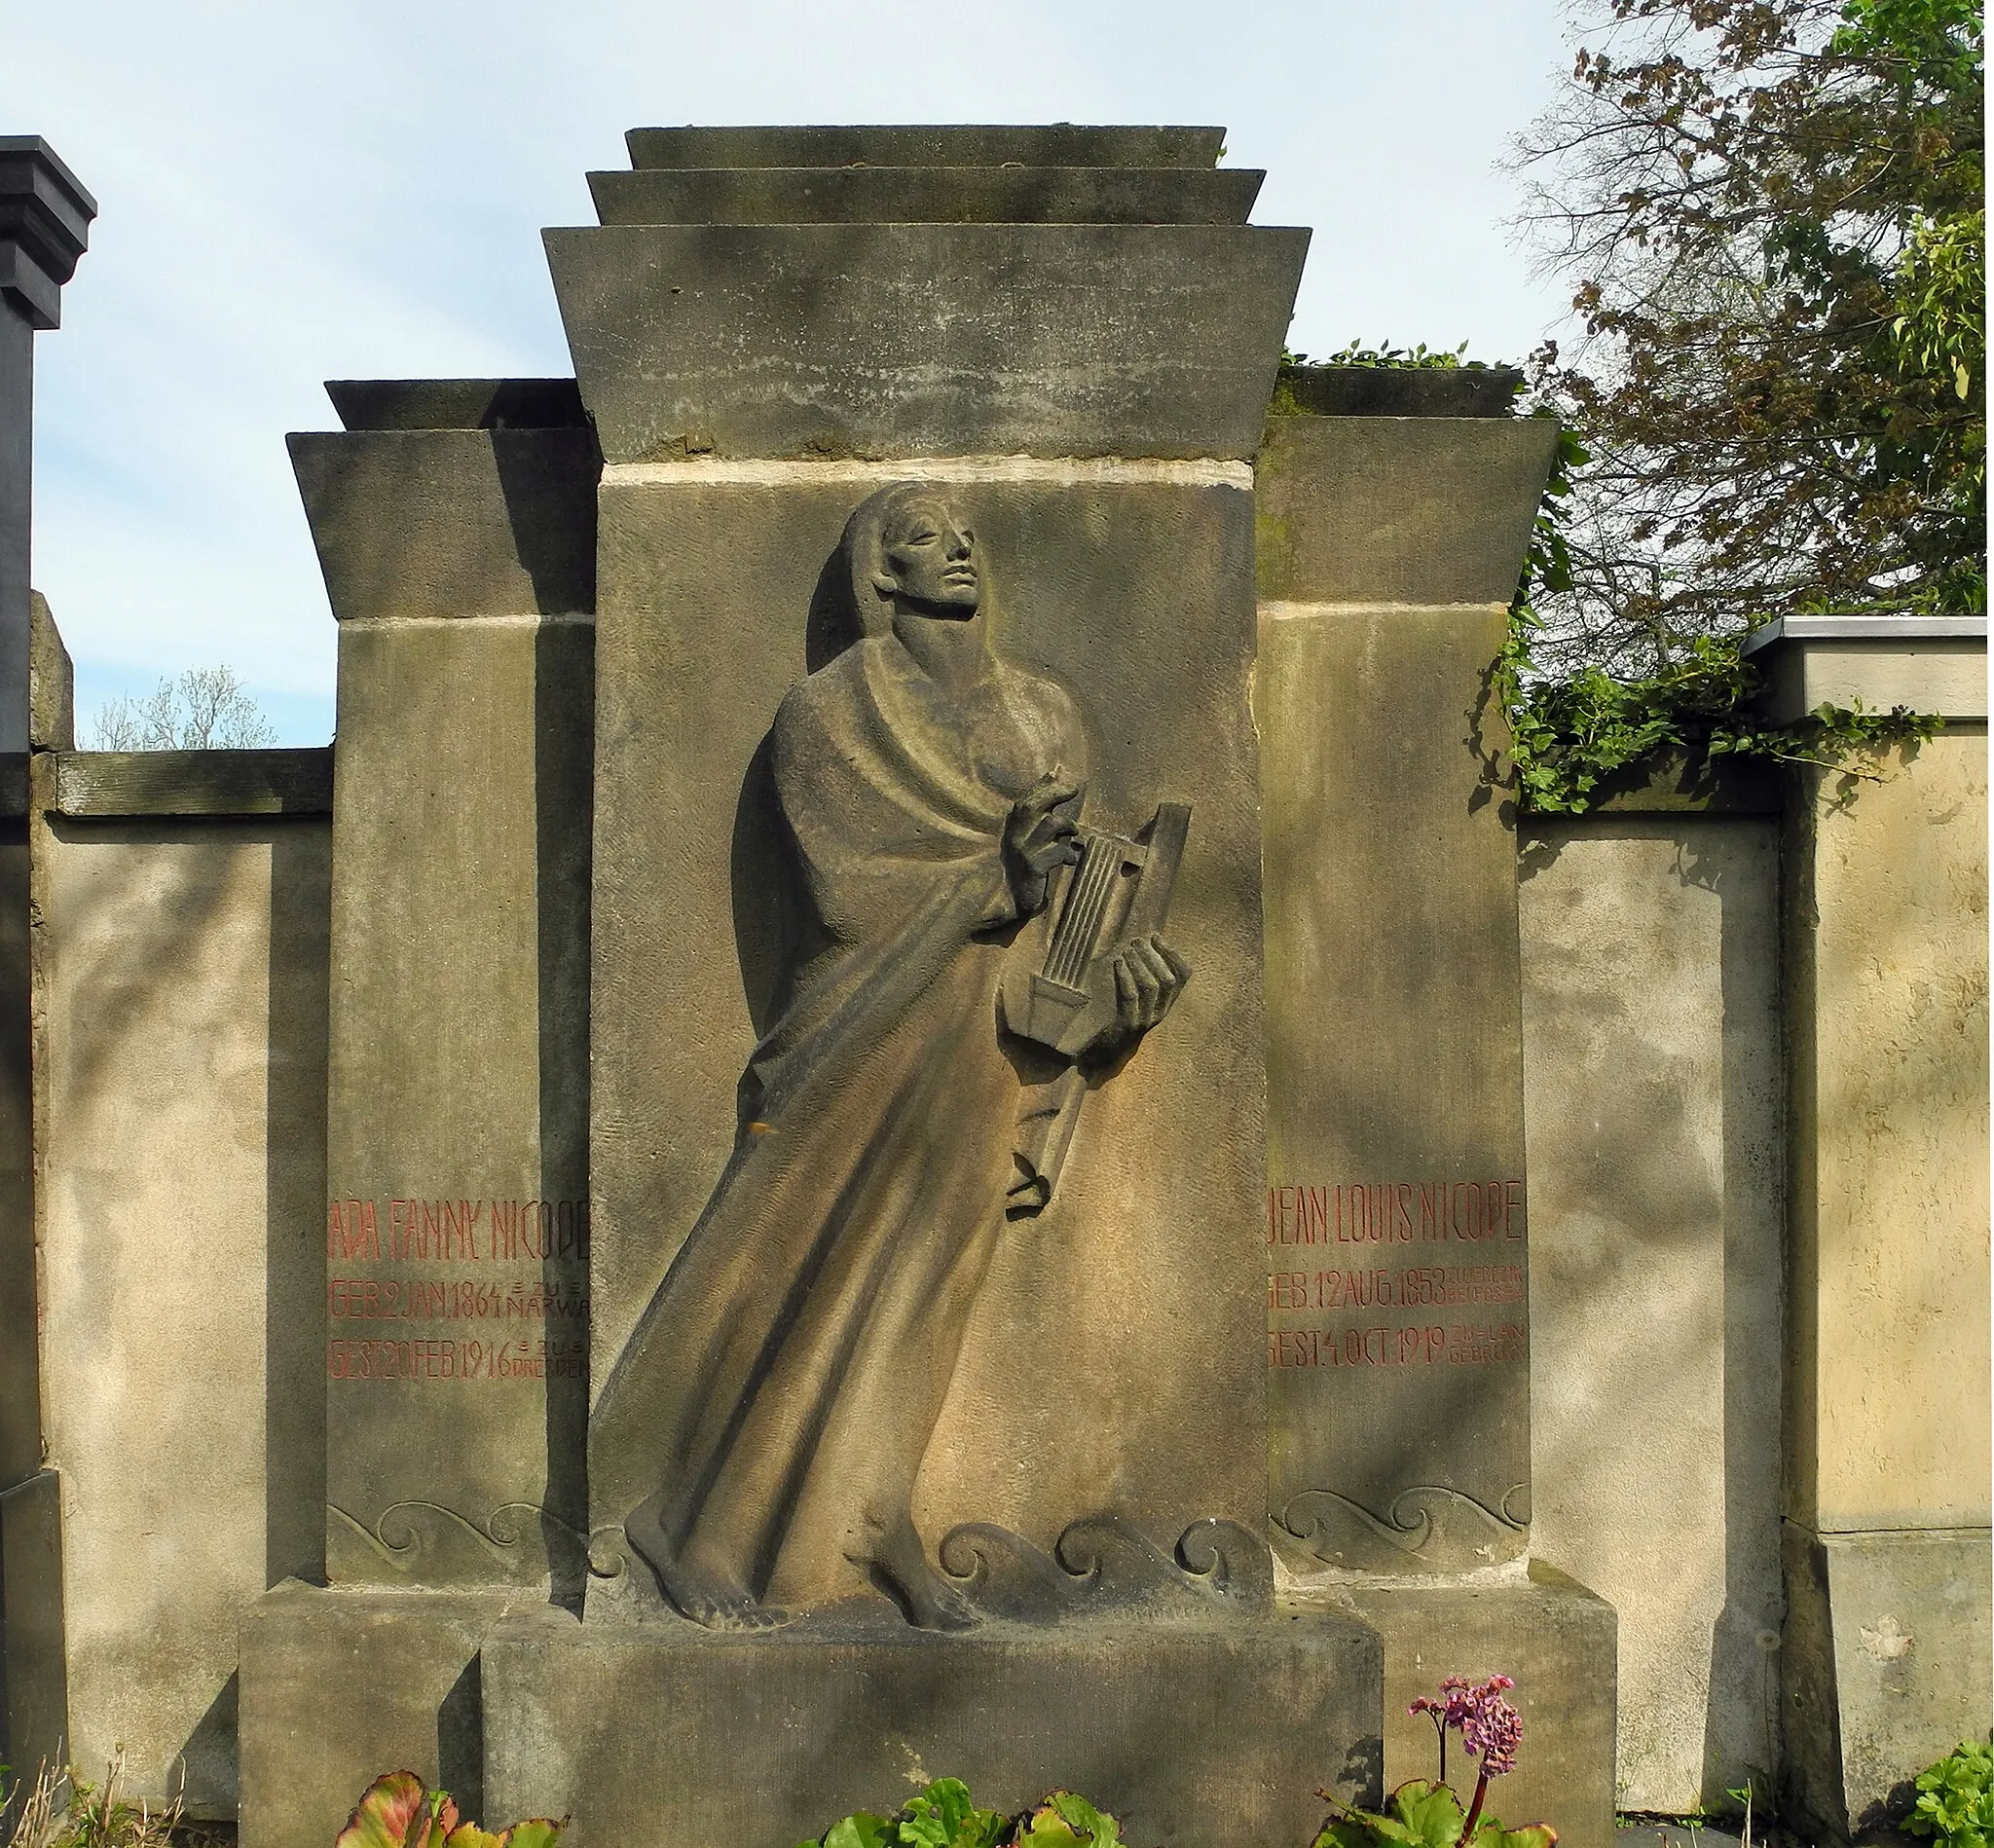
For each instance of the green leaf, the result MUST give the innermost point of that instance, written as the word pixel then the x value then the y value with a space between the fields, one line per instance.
pixel 1065 1819
pixel 1346 1831
pixel 1492 1834
pixel 1430 1812
pixel 862 1829
pixel 1046 1828
pixel 1081 1816
pixel 1955 1802
pixel 1388 1829
pixel 950 1797
pixel 944 1815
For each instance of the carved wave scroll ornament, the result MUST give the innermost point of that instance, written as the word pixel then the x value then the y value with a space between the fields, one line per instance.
pixel 518 1543
pixel 1100 1565
pixel 1435 1528
pixel 1103 1564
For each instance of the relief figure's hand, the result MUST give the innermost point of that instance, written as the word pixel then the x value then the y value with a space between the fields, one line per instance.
pixel 1037 837
pixel 1149 976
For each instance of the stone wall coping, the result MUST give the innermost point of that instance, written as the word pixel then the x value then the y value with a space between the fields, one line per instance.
pixel 1678 783
pixel 105 784
pixel 1865 629
pixel 1926 664
pixel 916 195
pixel 456 404
pixel 879 339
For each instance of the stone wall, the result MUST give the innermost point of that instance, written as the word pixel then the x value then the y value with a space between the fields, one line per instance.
pixel 180 1033
pixel 1652 1106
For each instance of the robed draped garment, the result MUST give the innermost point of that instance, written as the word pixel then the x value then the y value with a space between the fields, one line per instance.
pixel 783 1384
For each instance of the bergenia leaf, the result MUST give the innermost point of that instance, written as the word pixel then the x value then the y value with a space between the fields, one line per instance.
pixel 393 1814
pixel 1347 1833
pixel 966 1825
pixel 949 1798
pixel 537 1831
pixel 1045 1828
pixel 1431 1812
pixel 1536 1835
pixel 1388 1829
pixel 438 1825
pixel 862 1829
pixel 470 1835
pixel 1081 1816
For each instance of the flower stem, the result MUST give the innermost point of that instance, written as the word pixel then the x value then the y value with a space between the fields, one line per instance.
pixel 1467 1828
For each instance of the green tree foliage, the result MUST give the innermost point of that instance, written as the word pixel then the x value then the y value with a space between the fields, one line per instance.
pixel 1572 732
pixel 1772 214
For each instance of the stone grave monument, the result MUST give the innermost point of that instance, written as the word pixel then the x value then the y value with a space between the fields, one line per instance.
pixel 816 1064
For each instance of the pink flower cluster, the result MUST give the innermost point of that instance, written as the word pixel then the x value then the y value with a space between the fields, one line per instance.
pixel 1490 1728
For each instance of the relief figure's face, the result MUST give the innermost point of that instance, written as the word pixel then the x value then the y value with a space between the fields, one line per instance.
pixel 931 561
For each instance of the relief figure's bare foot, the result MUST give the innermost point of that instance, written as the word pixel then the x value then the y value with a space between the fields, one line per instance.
pixel 899 1565
pixel 717 1605
pixel 934 1604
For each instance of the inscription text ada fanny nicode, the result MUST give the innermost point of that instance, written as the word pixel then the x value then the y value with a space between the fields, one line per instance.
pixel 468 1231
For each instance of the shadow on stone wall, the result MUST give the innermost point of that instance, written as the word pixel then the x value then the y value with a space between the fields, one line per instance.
pixel 563 768
pixel 294 1140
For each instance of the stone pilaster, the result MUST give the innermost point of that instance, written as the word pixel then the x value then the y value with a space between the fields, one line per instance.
pixel 1885 1658
pixel 1397 1204
pixel 45 217
pixel 1396 1210
pixel 454 524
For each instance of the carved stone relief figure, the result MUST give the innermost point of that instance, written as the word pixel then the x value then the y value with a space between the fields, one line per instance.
pixel 973 955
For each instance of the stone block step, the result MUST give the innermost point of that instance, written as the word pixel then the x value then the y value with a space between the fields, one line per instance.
pixel 926 194
pixel 1054 144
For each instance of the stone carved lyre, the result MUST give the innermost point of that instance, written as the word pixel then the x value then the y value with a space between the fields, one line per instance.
pixel 1119 890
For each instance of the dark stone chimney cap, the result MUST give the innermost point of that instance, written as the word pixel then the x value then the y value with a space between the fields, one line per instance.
pixel 45 214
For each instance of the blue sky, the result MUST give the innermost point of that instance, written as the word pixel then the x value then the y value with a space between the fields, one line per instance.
pixel 306 190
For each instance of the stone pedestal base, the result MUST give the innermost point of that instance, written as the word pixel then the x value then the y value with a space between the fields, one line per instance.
pixel 1559 1642
pixel 1215 1733
pixel 1886 1668
pixel 340 1685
